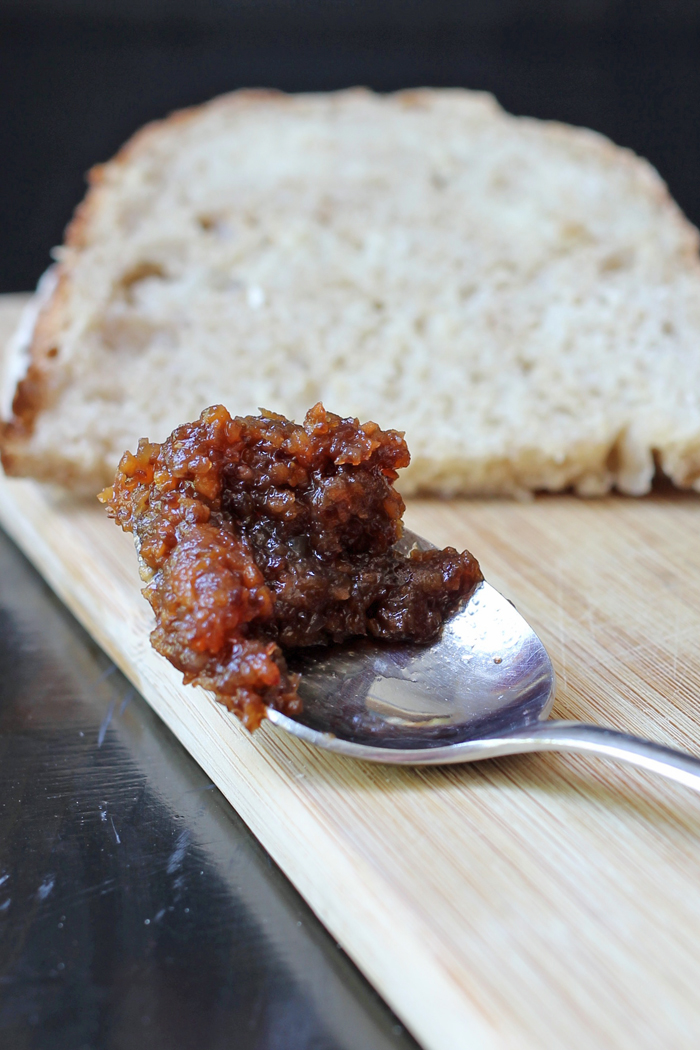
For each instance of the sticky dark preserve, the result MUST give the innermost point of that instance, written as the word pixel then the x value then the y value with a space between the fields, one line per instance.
pixel 259 535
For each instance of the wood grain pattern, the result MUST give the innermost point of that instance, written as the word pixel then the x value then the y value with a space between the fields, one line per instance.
pixel 539 901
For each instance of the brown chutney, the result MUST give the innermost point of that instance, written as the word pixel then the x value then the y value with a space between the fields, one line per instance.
pixel 257 535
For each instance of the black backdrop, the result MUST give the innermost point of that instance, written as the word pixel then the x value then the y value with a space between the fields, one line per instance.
pixel 78 76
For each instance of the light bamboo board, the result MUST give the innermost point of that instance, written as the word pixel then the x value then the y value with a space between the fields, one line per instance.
pixel 539 901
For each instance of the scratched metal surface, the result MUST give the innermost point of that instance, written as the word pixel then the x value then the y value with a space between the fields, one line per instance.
pixel 136 910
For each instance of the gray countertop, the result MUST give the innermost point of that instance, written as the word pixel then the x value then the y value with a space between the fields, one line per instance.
pixel 136 909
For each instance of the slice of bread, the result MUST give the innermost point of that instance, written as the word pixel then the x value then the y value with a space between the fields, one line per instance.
pixel 523 298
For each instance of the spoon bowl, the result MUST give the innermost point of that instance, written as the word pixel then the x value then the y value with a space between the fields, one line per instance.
pixel 484 688
pixel 486 673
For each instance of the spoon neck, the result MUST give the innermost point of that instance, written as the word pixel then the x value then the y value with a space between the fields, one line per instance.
pixel 609 743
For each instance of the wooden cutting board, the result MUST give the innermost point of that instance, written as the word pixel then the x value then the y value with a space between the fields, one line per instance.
pixel 530 902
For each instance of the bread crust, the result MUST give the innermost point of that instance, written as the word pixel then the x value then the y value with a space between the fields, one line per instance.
pixel 33 391
pixel 37 389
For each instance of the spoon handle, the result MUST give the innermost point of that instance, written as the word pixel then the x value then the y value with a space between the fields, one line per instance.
pixel 608 743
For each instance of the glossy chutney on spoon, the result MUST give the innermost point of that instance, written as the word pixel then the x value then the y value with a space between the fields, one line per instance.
pixel 259 536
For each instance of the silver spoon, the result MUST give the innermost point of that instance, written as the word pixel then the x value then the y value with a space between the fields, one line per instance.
pixel 484 688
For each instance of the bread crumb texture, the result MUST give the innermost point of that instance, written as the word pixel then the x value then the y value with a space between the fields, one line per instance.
pixel 522 298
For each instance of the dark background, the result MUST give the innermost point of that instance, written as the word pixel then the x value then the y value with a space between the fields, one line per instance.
pixel 78 76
